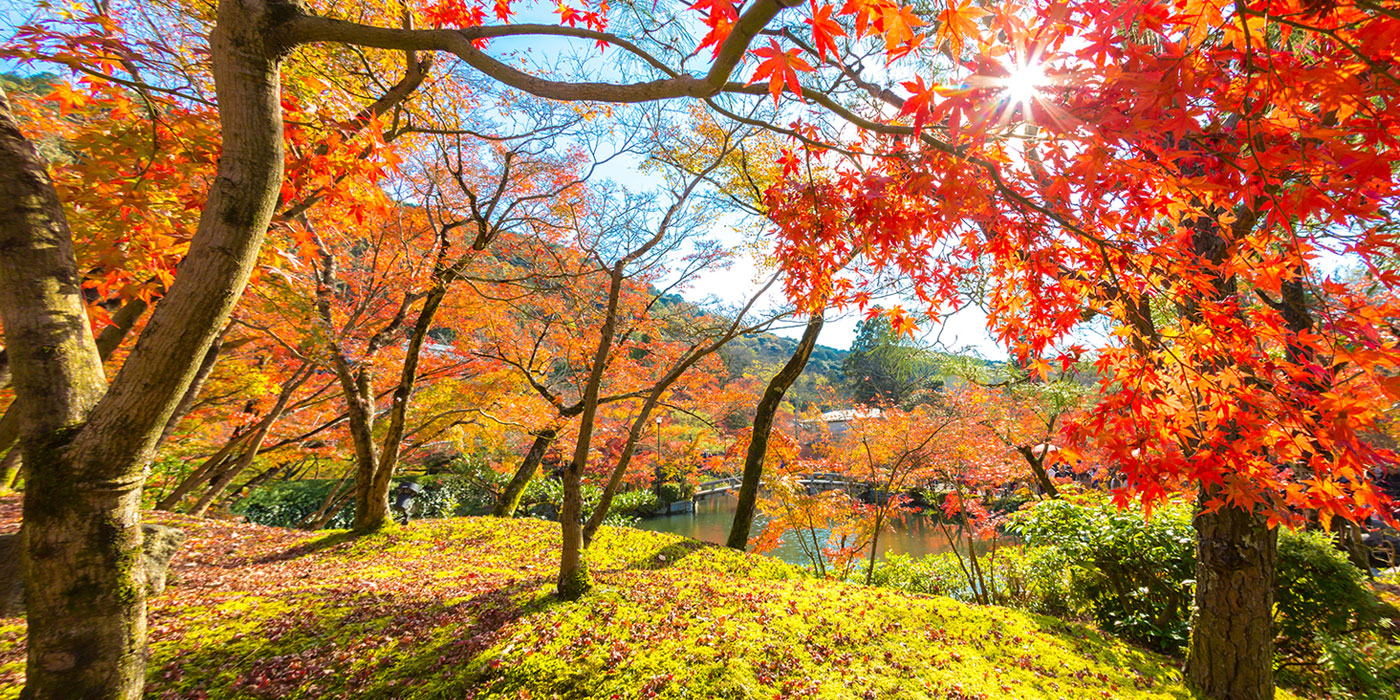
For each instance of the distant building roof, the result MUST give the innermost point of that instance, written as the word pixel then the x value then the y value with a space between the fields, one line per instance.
pixel 844 416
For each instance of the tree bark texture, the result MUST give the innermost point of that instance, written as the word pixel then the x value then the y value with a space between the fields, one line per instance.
pixel 762 427
pixel 370 514
pixel 86 608
pixel 123 320
pixel 87 614
pixel 573 569
pixel 509 501
pixel 1232 642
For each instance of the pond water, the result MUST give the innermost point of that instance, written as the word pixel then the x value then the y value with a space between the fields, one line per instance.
pixel 918 535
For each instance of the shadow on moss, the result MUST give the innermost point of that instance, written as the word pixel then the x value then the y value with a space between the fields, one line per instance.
pixel 668 555
pixel 310 547
pixel 343 643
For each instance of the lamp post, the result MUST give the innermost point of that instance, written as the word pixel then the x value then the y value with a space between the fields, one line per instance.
pixel 657 479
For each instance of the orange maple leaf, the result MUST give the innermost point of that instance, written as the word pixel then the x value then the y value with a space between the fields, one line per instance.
pixel 958 23
pixel 720 17
pixel 66 97
pixel 779 67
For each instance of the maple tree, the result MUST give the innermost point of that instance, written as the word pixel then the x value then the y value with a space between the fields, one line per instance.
pixel 505 188
pixel 893 450
pixel 635 240
pixel 1149 174
pixel 827 526
pixel 1027 414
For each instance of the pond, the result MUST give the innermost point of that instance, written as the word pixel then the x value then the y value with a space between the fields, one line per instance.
pixel 918 535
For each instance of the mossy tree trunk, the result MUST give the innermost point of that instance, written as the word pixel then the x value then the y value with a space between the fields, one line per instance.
pixel 763 427
pixel 509 501
pixel 1232 642
pixel 87 449
pixel 573 569
pixel 87 614
pixel 122 321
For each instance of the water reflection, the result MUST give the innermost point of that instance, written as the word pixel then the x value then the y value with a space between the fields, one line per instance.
pixel 918 535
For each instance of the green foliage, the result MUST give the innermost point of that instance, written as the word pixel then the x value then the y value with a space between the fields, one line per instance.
pixel 633 504
pixel 288 503
pixel 884 368
pixel 1362 666
pixel 1318 590
pixel 545 497
pixel 931 575
pixel 673 491
pixel 1132 574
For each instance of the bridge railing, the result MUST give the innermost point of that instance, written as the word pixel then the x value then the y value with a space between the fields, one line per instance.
pixel 732 482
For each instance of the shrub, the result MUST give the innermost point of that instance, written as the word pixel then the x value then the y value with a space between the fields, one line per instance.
pixel 1318 594
pixel 1362 665
pixel 944 574
pixel 287 503
pixel 673 491
pixel 1135 575
pixel 936 574
pixel 1132 574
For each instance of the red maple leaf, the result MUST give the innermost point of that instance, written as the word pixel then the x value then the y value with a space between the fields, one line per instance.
pixel 824 29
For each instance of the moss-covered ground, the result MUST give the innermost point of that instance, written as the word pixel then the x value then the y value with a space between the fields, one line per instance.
pixel 463 609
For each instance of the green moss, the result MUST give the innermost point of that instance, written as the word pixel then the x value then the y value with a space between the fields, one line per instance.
pixel 466 607
pixel 11 657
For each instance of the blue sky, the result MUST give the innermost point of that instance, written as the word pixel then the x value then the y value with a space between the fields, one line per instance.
pixel 733 285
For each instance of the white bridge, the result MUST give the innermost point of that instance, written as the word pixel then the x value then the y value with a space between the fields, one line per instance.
pixel 820 481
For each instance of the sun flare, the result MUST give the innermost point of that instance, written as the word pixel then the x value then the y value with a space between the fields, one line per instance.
pixel 1023 82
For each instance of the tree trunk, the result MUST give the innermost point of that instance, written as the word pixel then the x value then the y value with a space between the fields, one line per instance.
pixel 1037 465
pixel 874 547
pixel 1231 651
pixel 510 497
pixel 370 514
pixel 375 513
pixel 600 512
pixel 254 443
pixel 573 569
pixel 107 342
pixel 85 584
pixel 1232 643
pixel 762 426
pixel 82 535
